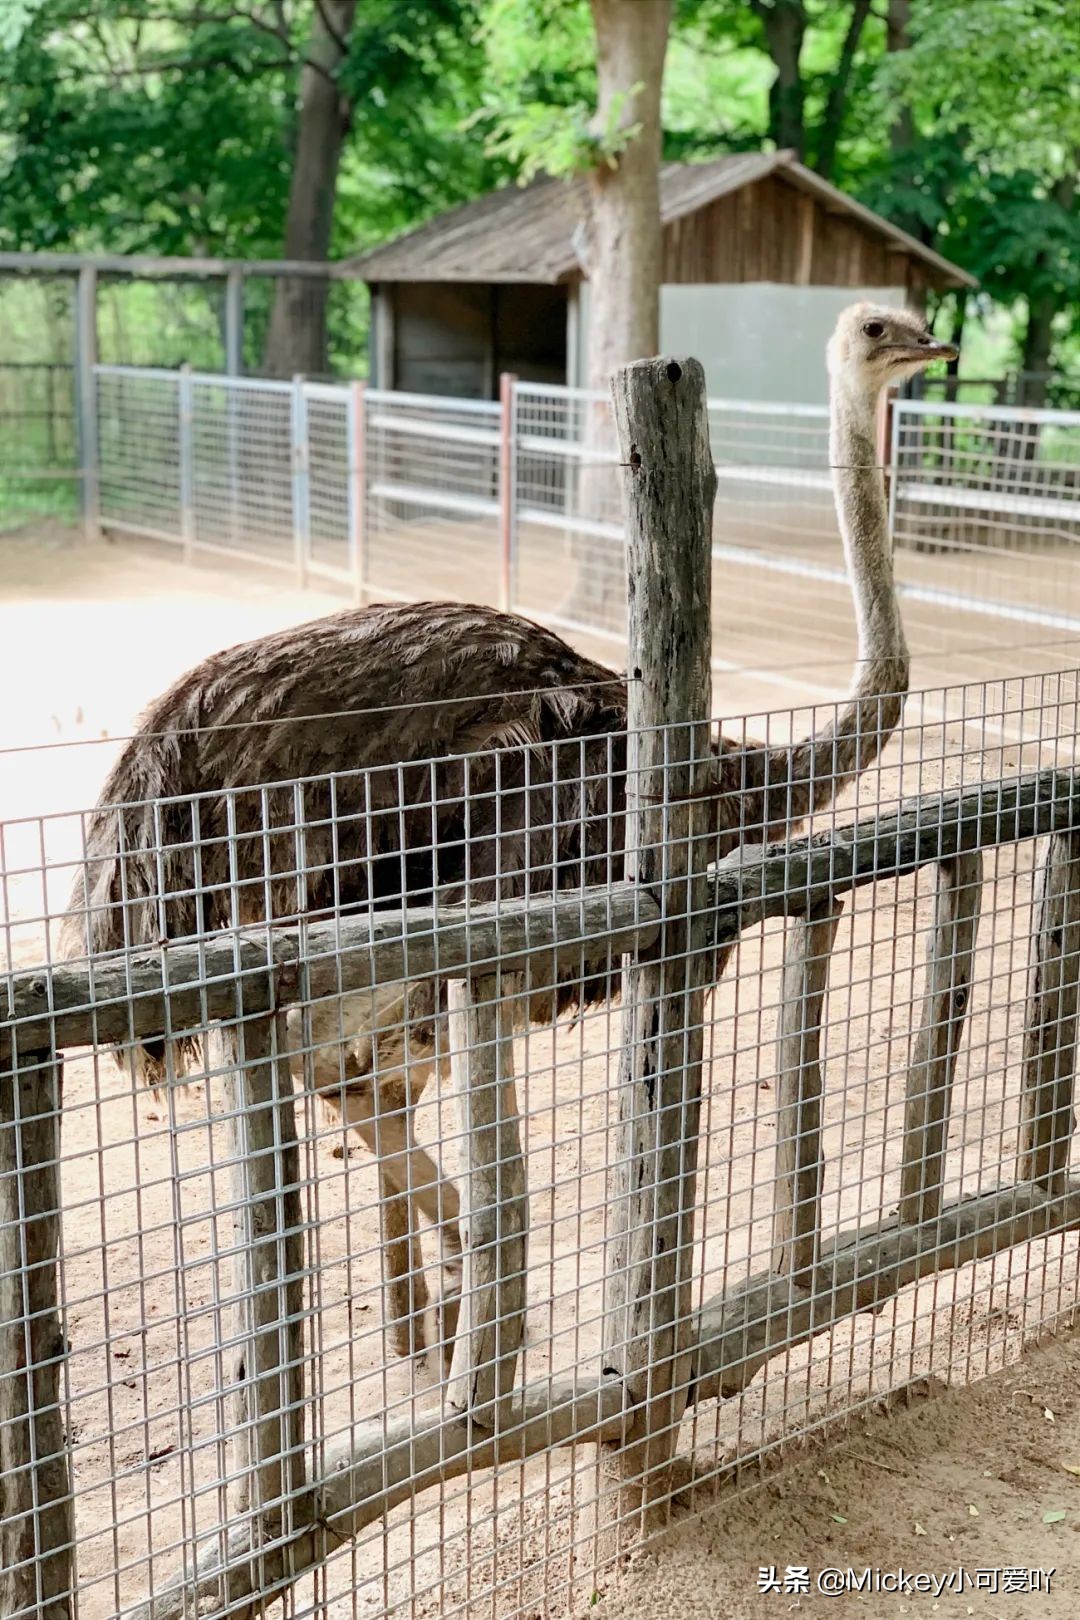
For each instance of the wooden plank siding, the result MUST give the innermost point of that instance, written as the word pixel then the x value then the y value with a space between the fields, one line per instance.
pixel 772 231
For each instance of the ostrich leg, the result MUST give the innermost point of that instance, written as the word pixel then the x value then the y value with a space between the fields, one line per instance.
pixel 406 1287
pixel 411 1181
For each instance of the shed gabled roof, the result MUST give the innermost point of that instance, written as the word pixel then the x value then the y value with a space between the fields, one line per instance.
pixel 529 233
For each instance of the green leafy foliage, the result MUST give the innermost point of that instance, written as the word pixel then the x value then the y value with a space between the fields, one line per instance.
pixel 169 125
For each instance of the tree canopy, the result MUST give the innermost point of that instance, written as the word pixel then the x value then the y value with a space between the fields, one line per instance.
pixel 173 126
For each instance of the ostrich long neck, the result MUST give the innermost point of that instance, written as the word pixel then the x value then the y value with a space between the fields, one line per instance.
pixel 807 775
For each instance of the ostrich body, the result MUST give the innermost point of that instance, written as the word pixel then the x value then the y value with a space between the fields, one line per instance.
pixel 453 750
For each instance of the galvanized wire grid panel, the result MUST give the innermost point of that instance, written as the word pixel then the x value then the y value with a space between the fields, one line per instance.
pixel 139 450
pixel 39 461
pixel 432 496
pixel 242 467
pixel 569 564
pixel 980 491
pixel 413 496
pixel 167 1219
pixel 330 525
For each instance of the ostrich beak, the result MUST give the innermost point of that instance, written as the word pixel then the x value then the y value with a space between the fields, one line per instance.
pixel 928 351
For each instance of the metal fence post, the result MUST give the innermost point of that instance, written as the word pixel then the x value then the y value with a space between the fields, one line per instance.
pixel 234 323
pixel 36 1519
pixel 301 486
pixel 185 416
pixel 507 489
pixel 357 490
pixel 86 355
pixel 663 427
pixel 892 461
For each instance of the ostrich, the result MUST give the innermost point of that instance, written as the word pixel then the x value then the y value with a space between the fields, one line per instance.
pixel 184 839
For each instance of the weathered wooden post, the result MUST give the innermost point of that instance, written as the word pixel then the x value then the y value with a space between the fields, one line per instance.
pixel 1046 1111
pixel 268 1445
pixel 36 1519
pixel 494 1202
pixel 799 1158
pixel 669 484
pixel 950 963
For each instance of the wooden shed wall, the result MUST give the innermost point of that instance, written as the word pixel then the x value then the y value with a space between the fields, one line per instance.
pixel 772 231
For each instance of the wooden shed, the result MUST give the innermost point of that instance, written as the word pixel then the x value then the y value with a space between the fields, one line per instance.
pixel 497 284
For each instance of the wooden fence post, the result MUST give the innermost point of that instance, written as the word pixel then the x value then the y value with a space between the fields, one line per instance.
pixel 36 1519
pixel 950 960
pixel 494 1202
pixel 669 483
pixel 799 1161
pixel 268 1445
pixel 1046 1111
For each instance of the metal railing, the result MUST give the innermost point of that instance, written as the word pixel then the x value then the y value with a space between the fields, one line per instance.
pixel 517 502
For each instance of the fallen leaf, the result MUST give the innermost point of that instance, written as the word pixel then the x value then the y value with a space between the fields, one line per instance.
pixel 1071 1468
pixel 973 1510
pixel 839 1517
pixel 1055 1516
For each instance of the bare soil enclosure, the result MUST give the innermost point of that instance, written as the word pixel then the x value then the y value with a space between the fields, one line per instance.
pixel 88 634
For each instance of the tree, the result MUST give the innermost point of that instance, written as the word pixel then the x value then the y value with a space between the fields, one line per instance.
pixel 993 88
pixel 296 340
pixel 623 243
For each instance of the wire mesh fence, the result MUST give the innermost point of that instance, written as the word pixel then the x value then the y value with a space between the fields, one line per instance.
pixel 517 501
pixel 39 459
pixel 536 1105
pixel 372 1121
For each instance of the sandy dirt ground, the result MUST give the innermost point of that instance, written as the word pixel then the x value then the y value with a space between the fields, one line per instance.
pixel 87 636
pixel 956 1483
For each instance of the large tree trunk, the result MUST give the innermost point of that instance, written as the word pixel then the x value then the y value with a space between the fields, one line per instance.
pixel 784 24
pixel 623 251
pixel 624 234
pixel 1038 348
pixel 1038 345
pixel 296 340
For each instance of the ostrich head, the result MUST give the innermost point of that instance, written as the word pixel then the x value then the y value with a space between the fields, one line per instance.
pixel 874 347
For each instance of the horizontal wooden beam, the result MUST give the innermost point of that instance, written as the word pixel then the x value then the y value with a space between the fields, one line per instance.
pixel 117 998
pixel 391 1460
pixel 739 1331
pixel 120 998
pixel 382 1463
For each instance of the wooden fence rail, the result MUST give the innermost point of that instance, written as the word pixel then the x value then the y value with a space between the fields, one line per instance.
pixel 195 984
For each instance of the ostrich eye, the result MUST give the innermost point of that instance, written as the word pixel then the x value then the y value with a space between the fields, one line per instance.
pixel 874 329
